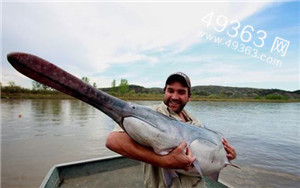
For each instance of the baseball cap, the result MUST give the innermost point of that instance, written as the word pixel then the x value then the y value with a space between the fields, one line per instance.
pixel 179 76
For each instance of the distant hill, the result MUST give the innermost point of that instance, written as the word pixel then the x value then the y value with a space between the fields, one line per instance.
pixel 136 92
pixel 242 92
pixel 138 89
pixel 222 92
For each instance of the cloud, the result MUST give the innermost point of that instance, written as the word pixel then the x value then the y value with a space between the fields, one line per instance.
pixel 103 30
pixel 91 38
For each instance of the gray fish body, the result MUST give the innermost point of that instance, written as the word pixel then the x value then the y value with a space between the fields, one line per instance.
pixel 144 125
pixel 163 134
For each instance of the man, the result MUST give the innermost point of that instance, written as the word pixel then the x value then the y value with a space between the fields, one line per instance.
pixel 177 93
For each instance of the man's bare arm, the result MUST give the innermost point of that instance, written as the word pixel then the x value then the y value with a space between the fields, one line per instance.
pixel 121 143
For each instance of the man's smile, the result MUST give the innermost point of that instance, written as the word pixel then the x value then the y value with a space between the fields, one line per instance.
pixel 174 103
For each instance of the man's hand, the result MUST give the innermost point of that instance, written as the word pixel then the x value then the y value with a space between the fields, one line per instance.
pixel 231 154
pixel 180 158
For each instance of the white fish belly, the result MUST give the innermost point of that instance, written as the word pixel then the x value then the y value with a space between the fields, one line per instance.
pixel 211 157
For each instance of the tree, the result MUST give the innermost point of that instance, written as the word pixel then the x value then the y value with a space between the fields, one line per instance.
pixel 39 86
pixel 123 88
pixel 94 85
pixel 11 84
pixel 86 80
pixel 45 87
pixel 113 86
pixel 13 88
pixel 36 85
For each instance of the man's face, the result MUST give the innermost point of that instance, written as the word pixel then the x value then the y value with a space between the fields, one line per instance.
pixel 176 96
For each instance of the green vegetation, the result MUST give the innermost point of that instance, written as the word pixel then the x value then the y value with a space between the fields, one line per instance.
pixel 86 80
pixel 134 92
pixel 37 86
pixel 123 87
pixel 276 97
pixel 113 86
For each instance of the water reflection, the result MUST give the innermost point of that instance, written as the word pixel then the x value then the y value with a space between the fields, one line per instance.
pixel 52 108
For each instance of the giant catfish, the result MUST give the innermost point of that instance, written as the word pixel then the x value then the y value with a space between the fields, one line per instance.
pixel 145 126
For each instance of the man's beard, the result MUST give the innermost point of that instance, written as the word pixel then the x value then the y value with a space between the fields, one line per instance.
pixel 179 109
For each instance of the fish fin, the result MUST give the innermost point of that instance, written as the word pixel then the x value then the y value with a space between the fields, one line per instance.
pixel 198 168
pixel 230 164
pixel 168 176
pixel 214 176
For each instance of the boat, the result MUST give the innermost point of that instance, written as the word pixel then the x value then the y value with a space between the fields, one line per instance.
pixel 113 171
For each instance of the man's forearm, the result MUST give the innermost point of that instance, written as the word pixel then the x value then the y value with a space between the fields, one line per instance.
pixel 179 158
pixel 121 143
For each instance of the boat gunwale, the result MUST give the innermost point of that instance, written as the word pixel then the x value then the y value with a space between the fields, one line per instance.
pixel 60 166
pixel 64 171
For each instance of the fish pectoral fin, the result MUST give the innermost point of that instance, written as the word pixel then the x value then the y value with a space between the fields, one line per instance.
pixel 168 176
pixel 230 164
pixel 198 167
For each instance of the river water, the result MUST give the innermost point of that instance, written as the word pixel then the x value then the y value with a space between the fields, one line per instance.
pixel 37 134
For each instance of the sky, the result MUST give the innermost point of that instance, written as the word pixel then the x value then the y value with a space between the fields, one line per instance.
pixel 240 44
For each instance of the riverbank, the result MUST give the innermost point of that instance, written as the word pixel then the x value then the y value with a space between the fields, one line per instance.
pixel 144 97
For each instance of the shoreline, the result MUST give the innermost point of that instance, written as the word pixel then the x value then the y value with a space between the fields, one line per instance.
pixel 144 97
